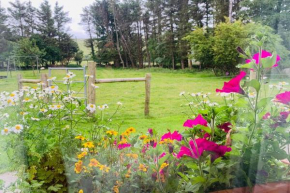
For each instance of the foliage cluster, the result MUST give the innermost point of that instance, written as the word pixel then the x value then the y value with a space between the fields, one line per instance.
pixel 217 49
pixel 36 32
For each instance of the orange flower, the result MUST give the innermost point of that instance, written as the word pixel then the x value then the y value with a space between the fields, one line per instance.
pixel 94 162
pixel 81 191
pixel 142 168
pixel 78 167
pixel 142 137
pixel 83 154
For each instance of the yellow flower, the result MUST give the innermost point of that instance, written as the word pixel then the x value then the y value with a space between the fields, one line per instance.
pixel 116 189
pixel 142 168
pixel 123 141
pixel 81 155
pixel 80 137
pixel 134 156
pixel 78 167
pixel 128 174
pixel 81 191
pixel 143 137
pixel 89 144
pixel 166 141
pixel 164 165
pixel 112 132
pixel 94 162
pixel 131 130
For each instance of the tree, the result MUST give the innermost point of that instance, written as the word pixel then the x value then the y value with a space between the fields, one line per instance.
pixel 45 20
pixel 68 48
pixel 60 19
pixel 17 13
pixel 86 22
pixel 30 24
pixel 79 57
pixel 28 51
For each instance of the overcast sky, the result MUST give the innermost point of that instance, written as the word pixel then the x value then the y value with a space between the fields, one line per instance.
pixel 74 7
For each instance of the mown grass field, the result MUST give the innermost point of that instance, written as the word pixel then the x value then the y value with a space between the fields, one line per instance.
pixel 167 108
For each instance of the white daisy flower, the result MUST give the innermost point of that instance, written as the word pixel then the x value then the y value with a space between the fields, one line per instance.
pixel 17 128
pixel 5 131
pixel 182 93
pixel 119 103
pixel 35 119
pixel 43 110
pixel 252 94
pixel 91 108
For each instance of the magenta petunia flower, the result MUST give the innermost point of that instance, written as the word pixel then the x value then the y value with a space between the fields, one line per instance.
pixel 173 136
pixel 123 146
pixel 265 54
pixel 227 126
pixel 267 116
pixel 150 131
pixel 199 120
pixel 233 86
pixel 283 98
pixel 196 150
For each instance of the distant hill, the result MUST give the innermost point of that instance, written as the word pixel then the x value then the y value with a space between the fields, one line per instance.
pixel 81 43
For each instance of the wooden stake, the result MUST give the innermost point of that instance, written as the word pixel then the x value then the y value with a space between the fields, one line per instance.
pixel 253 75
pixel 147 96
pixel 44 80
pixel 91 90
pixel 19 78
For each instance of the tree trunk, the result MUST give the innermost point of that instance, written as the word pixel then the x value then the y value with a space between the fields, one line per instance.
pixel 182 64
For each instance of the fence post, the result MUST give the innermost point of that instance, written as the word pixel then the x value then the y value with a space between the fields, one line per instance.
pixel 91 90
pixel 43 78
pixel 253 75
pixel 19 77
pixel 147 95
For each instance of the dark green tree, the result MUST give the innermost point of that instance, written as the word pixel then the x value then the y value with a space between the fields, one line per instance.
pixel 60 19
pixel 17 14
pixel 45 23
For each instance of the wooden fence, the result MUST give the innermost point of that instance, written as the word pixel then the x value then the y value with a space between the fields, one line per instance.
pixel 91 92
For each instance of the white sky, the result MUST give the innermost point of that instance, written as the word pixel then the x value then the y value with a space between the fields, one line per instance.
pixel 74 7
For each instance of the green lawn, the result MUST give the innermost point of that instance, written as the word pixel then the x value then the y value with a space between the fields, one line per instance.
pixel 166 110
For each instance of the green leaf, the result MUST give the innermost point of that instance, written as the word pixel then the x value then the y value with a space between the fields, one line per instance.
pixel 255 84
pixel 203 128
pixel 55 188
pixel 279 154
pixel 268 62
pixel 239 137
pixel 263 102
pixel 220 109
pixel 248 65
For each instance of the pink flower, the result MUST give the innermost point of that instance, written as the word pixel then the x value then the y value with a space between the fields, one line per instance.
pixel 173 136
pixel 199 120
pixel 283 98
pixel 233 86
pixel 267 116
pixel 162 155
pixel 265 54
pixel 225 126
pixel 125 145
pixel 150 131
pixel 195 151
